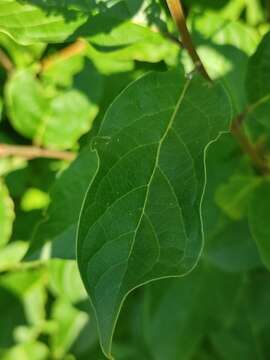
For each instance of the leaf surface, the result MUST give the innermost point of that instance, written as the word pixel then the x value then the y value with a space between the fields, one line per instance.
pixel 259 220
pixel 141 218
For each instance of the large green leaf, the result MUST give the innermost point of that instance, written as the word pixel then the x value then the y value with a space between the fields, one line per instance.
pixel 59 223
pixel 141 217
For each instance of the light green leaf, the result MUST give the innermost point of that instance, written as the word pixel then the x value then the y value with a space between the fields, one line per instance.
pixel 33 350
pixel 12 254
pixel 141 217
pixel 21 55
pixel 59 223
pixel 224 47
pixel 69 323
pixel 6 214
pixel 233 197
pixel 141 44
pixel 259 220
pixel 65 281
pixel 54 120
pixel 28 23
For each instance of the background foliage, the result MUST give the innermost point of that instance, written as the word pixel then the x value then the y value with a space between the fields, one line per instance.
pixel 63 63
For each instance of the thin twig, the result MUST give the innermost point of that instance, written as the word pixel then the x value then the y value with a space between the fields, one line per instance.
pixel 257 159
pixel 177 13
pixel 78 47
pixel 32 152
pixel 5 61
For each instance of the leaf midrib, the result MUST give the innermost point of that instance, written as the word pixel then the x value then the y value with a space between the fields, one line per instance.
pixel 160 143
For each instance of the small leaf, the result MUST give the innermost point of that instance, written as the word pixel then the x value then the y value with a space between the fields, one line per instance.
pixel 65 281
pixel 55 121
pixel 70 322
pixel 28 23
pixel 141 217
pixel 6 214
pixel 233 197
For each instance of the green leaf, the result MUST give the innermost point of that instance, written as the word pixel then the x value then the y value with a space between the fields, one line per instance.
pixel 33 21
pixel 6 214
pixel 142 44
pixel 258 220
pixel 177 333
pixel 30 350
pixel 15 316
pixel 54 120
pixel 70 322
pixel 65 281
pixel 141 217
pixel 28 23
pixel 258 74
pixel 233 197
pixel 224 47
pixel 229 245
pixel 21 55
pixel 60 220
pixel 12 254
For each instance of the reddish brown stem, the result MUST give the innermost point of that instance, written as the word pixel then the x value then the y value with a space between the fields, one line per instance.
pixel 5 61
pixel 177 13
pixel 74 49
pixel 32 152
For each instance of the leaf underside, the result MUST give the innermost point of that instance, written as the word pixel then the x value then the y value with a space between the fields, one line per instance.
pixel 141 218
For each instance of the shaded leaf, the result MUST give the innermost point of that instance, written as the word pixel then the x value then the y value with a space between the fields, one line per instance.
pixel 258 74
pixel 259 220
pixel 233 197
pixel 67 193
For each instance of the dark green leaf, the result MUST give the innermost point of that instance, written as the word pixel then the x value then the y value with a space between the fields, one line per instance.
pixel 258 220
pixel 141 218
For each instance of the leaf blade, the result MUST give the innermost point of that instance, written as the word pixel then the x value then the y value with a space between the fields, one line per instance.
pixel 143 193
